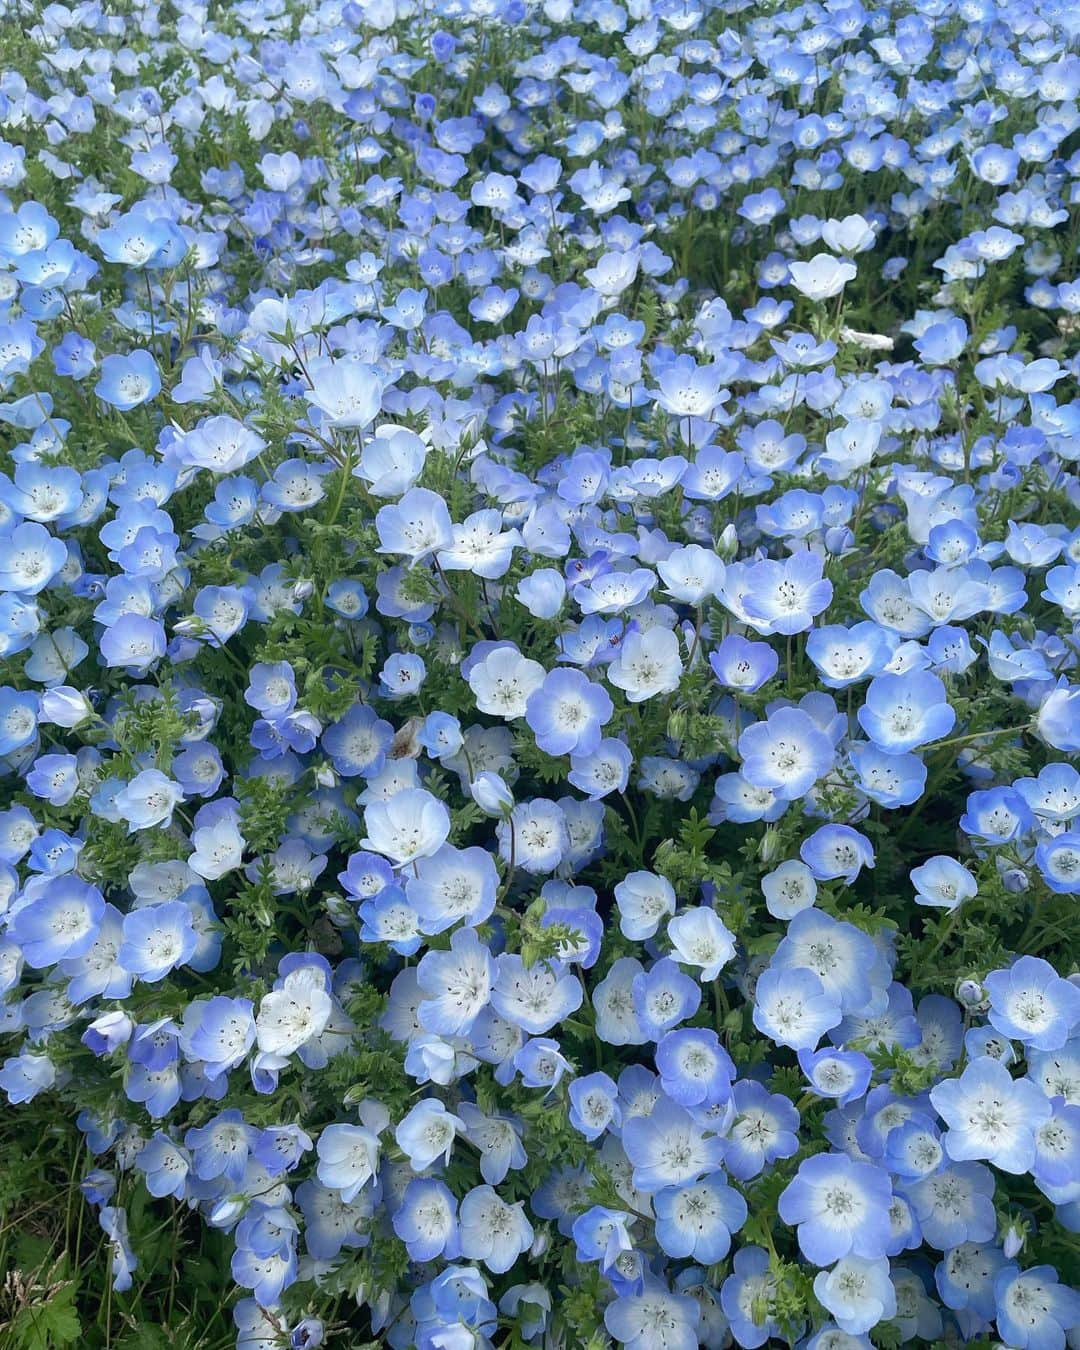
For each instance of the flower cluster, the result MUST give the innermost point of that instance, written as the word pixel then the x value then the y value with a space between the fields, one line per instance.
pixel 539 613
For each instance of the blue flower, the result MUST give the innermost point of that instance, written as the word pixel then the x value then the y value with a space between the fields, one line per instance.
pixel 426 1220
pixel 903 712
pixel 858 1292
pixel 653 1318
pixel 1033 1004
pixel 1033 1310
pixel 747 1297
pixel 838 1207
pixel 793 1008
pixel 156 939
pixel 991 1115
pixel 787 754
pixel 566 713
pixel 127 381
pixel 697 1221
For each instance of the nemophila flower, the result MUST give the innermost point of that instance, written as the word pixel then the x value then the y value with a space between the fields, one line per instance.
pixel 566 713
pixel 602 1235
pixel 785 597
pixel 409 825
pixel 452 885
pixel 358 743
pixel 134 643
pixel 541 1063
pixel 219 1032
pixel 456 984
pixel 843 1074
pixel 647 664
pixel 668 1147
pixel 222 444
pixel 764 1129
pixel 1058 860
pixel 903 712
pixel 542 592
pixel 604 770
pixel 503 680
pixel 391 460
pixel 742 665
pixel 347 394
pixel 643 898
pixel 148 800
pixel 823 277
pixel 845 656
pixel 58 922
pixel 293 1014
pixel 1054 794
pixel 691 574
pixel 789 889
pixel 840 1207
pixel 426 1133
pixel 955 1205
pixel 219 845
pixel 165 1167
pixel 156 939
pixel 695 1070
pixel 24 1076
pixel 836 851
pixel 858 1293
pixel 31 560
pixel 787 753
pixel 943 883
pixel 697 1221
pixel 416 526
pixel 348 1158
pixel 841 956
pixel 426 1220
pixel 1057 1147
pixel 747 1297
pixel 793 1008
pixel 65 706
pixel 654 1318
pixel 965 1278
pixel 535 836
pixel 700 939
pixel 991 1115
pixel 593 1104
pixel 534 997
pixel 125 382
pixel 1056 719
pixel 663 997
pixel 996 816
pixel 54 778
pixel 913 1148
pixel 1033 1310
pixel 1031 1003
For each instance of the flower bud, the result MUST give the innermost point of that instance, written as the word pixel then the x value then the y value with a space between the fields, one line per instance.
pixel 728 544
pixel 108 1032
pixel 308 1334
pixel 1013 1239
pixel 970 994
pixel 228 1210
pixel 769 846
pixel 491 794
pixel 65 706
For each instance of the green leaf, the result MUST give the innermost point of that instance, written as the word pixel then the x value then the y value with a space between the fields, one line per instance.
pixel 51 1322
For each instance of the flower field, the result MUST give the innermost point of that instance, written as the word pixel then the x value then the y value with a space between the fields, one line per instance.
pixel 539 696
